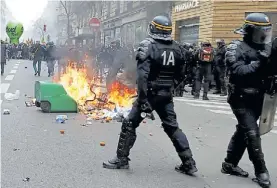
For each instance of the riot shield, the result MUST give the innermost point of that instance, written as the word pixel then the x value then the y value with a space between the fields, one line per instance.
pixel 270 98
pixel 268 113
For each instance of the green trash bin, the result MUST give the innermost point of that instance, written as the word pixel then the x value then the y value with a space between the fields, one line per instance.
pixel 52 97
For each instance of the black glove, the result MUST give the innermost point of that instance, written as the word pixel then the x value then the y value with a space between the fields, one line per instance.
pixel 263 56
pixel 146 107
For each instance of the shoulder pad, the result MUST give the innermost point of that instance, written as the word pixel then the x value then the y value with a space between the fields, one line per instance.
pixel 142 51
pixel 233 45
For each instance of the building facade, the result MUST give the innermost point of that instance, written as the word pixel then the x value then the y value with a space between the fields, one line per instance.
pixel 3 19
pixel 126 21
pixel 196 21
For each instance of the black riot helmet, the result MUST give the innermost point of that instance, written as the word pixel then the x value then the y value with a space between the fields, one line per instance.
pixel 256 28
pixel 187 46
pixel 160 28
pixel 220 42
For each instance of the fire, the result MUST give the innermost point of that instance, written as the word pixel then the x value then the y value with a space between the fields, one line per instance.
pixel 82 87
pixel 121 94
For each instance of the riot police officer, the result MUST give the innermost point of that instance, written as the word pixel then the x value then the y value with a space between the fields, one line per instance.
pixel 245 64
pixel 159 63
pixel 220 68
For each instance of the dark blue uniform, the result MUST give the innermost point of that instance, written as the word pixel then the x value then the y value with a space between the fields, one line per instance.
pixel 159 65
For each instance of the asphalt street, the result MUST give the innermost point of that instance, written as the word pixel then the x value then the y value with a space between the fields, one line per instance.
pixel 32 146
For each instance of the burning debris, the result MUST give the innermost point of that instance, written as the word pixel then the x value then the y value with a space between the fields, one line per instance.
pixel 92 96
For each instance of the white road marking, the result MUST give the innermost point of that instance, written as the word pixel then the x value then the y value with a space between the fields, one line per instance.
pixel 4 87
pixel 210 95
pixel 13 71
pixel 201 101
pixel 1 103
pixel 9 77
pixel 274 131
pixel 16 64
pixel 15 67
pixel 209 106
pixel 221 112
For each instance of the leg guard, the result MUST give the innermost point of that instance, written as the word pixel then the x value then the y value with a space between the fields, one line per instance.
pixel 236 147
pixel 255 151
pixel 126 141
pixel 257 157
pixel 127 138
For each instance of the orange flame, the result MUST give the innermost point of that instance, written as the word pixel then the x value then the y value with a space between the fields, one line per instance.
pixel 77 83
pixel 121 94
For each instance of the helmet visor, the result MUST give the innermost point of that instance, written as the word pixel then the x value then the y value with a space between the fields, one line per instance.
pixel 262 35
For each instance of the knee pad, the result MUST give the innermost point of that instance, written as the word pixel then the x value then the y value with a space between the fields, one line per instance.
pixel 169 130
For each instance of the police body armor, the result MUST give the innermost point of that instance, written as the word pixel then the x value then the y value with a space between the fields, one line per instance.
pixel 165 58
pixel 270 98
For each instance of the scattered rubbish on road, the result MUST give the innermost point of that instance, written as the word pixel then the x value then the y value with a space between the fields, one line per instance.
pixel 6 112
pixel 28 96
pixel 25 67
pixel 12 96
pixel 61 118
pixel 150 134
pixel 199 128
pixel 102 143
pixel 83 125
pixel 89 121
pixel 62 131
pixel 15 149
pixel 143 121
pixel 28 104
pixel 26 179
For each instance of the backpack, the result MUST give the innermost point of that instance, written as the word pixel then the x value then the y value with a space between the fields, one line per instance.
pixel 206 54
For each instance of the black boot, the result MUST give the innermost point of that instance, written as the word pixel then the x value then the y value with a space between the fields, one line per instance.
pixel 188 165
pixel 257 157
pixel 236 148
pixel 196 95
pixel 205 96
pixel 217 92
pixel 263 179
pixel 223 92
pixel 36 73
pixel 126 141
pixel 228 168
pixel 49 74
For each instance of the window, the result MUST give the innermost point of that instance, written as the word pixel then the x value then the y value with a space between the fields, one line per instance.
pixel 136 4
pixel 189 30
pixel 113 6
pixel 123 6
pixel 105 10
